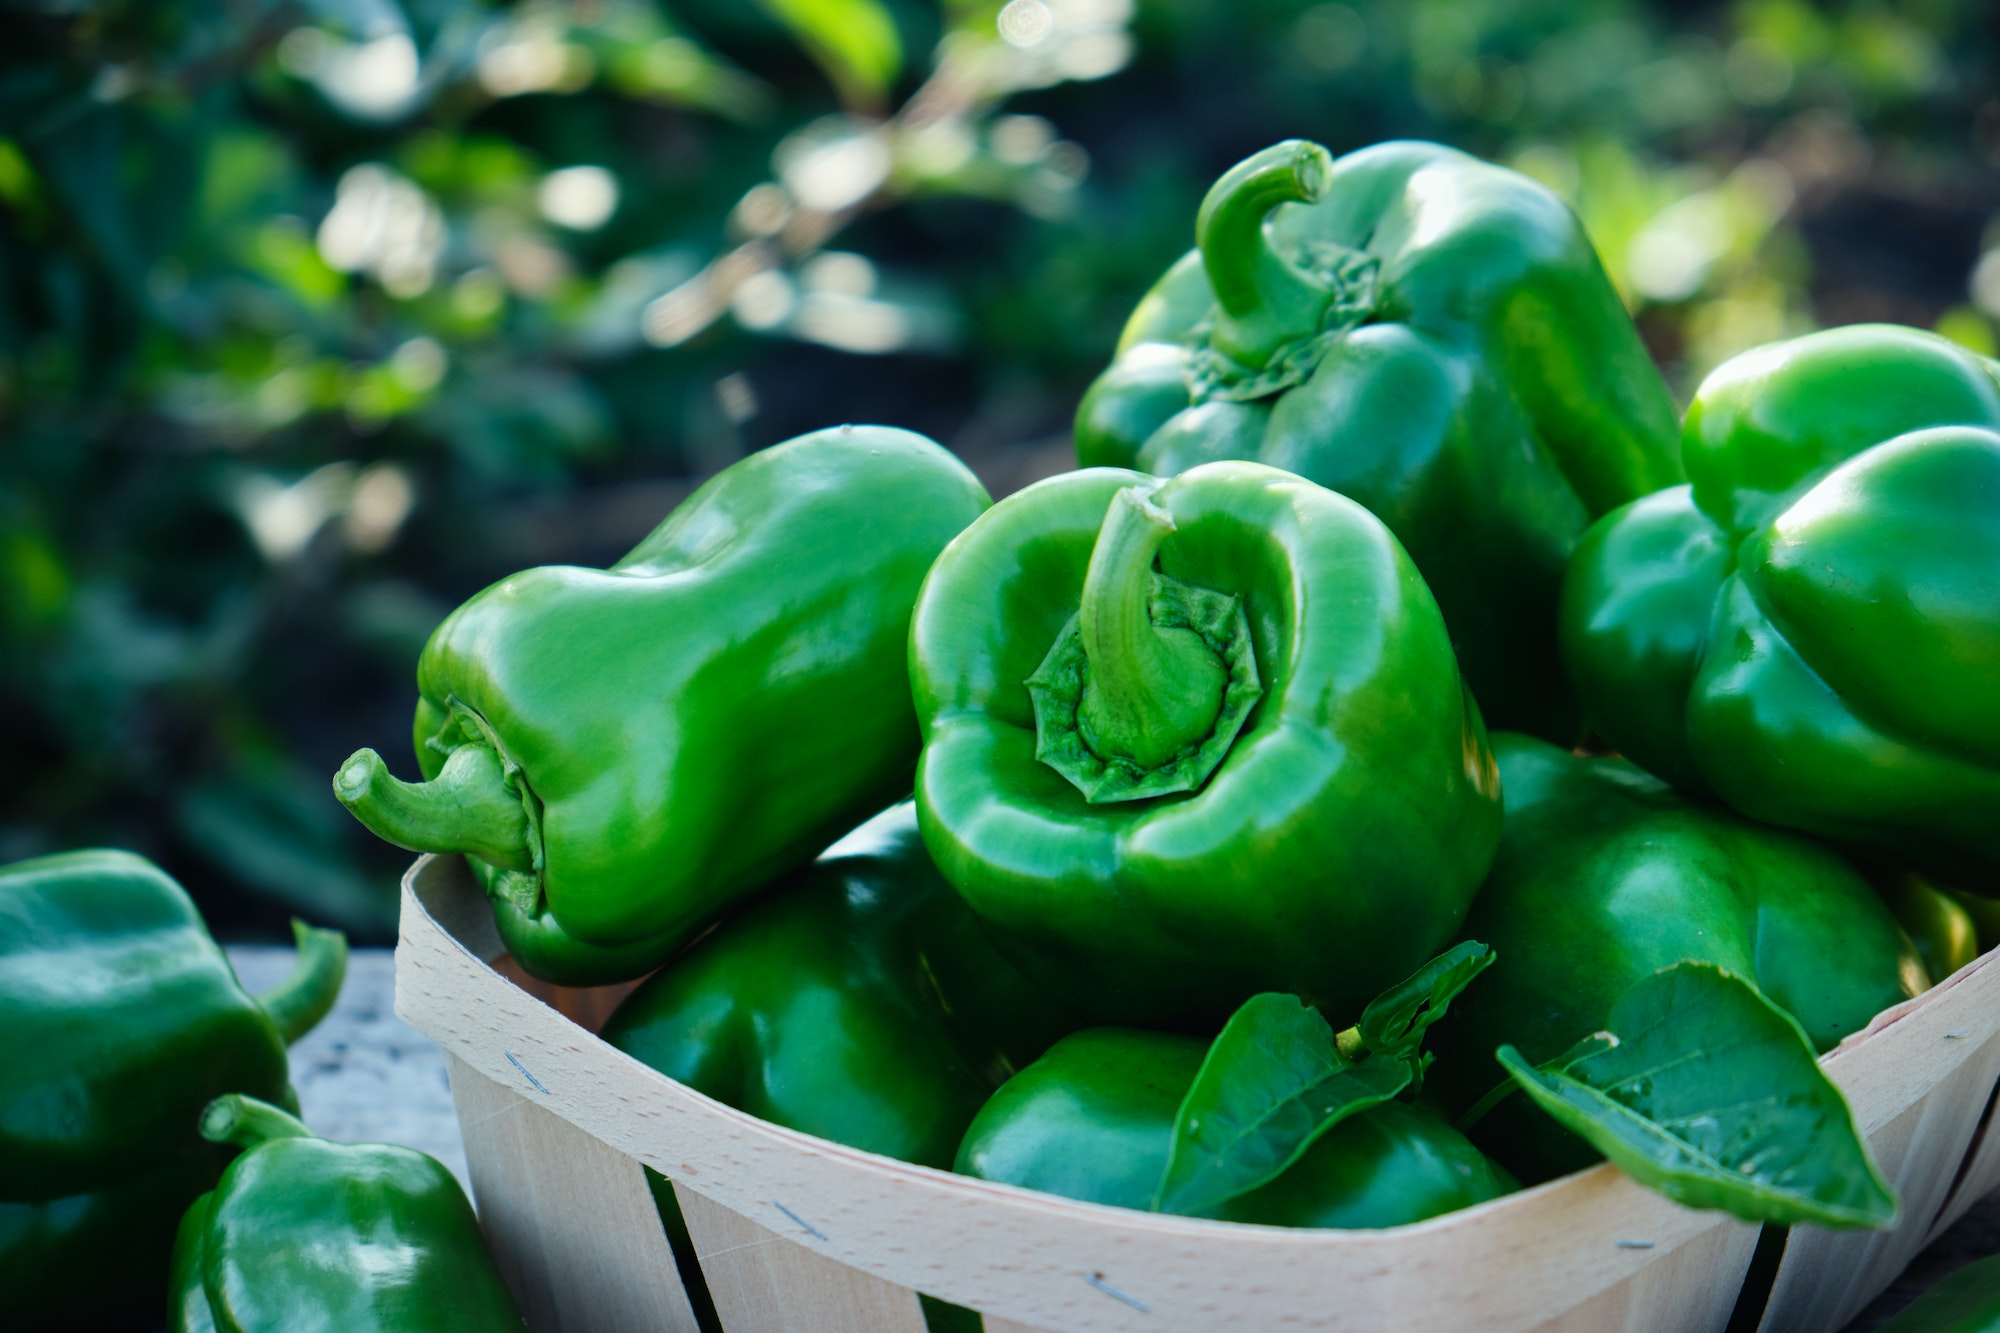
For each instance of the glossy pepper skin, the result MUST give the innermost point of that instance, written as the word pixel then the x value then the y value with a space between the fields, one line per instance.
pixel 123 1020
pixel 1429 335
pixel 1337 844
pixel 302 1235
pixel 856 1001
pixel 1605 875
pixel 1811 629
pixel 1094 1119
pixel 629 751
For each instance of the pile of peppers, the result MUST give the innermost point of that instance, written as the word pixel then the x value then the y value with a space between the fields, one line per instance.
pixel 1193 752
pixel 1141 838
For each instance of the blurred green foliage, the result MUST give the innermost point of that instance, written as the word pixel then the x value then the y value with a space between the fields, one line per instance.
pixel 316 315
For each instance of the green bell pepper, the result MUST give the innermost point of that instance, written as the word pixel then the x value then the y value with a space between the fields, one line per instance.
pixel 1811 629
pixel 857 1001
pixel 1094 1120
pixel 1190 740
pixel 1604 877
pixel 302 1235
pixel 629 751
pixel 1428 334
pixel 124 1019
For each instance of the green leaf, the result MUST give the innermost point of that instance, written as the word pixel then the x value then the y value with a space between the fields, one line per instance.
pixel 1394 1023
pixel 1507 1087
pixel 1272 1083
pixel 1708 1093
pixel 854 41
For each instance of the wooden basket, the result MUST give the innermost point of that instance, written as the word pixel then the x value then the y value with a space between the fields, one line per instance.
pixel 799 1235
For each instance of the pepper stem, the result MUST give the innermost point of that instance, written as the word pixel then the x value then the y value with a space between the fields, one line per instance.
pixel 1151 692
pixel 301 1000
pixel 1264 301
pixel 247 1122
pixel 468 807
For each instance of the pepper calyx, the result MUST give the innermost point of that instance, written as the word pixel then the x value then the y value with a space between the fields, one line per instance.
pixel 520 889
pixel 479 802
pixel 1211 373
pixel 245 1122
pixel 1149 683
pixel 1275 312
pixel 297 1004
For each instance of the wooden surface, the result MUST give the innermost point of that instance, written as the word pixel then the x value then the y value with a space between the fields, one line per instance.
pixel 1680 1290
pixel 366 1075
pixel 1919 1080
pixel 1980 1179
pixel 570 1221
pixel 763 1282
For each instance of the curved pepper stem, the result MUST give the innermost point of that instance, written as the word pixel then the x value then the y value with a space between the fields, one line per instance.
pixel 1151 692
pixel 1263 300
pixel 468 807
pixel 302 999
pixel 247 1122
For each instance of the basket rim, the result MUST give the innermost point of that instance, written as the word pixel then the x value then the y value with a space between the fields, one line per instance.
pixel 447 989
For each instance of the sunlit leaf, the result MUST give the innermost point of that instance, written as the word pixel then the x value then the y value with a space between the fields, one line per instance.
pixel 1277 1077
pixel 1272 1083
pixel 1394 1023
pixel 854 41
pixel 1708 1093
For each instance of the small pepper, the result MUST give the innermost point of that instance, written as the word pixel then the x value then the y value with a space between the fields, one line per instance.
pixel 303 1235
pixel 1606 875
pixel 1190 740
pixel 1428 334
pixel 1094 1120
pixel 1985 914
pixel 857 1001
pixel 123 1019
pixel 1938 921
pixel 626 752
pixel 1811 629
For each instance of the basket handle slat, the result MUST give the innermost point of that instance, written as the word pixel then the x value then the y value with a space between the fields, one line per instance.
pixel 764 1283
pixel 569 1219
